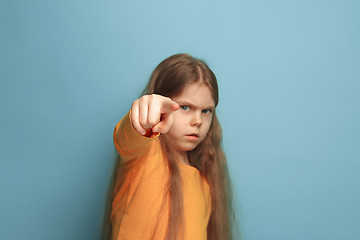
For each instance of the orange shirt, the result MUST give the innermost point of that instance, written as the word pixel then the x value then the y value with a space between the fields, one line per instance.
pixel 140 209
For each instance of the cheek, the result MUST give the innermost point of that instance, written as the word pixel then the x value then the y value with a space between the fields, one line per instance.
pixel 207 126
pixel 181 118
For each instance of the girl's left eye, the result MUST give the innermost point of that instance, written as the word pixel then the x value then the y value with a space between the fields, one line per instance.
pixel 206 111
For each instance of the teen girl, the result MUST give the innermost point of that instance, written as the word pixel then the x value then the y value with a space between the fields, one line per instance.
pixel 171 180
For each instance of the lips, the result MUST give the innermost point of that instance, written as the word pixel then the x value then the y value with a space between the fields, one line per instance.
pixel 192 137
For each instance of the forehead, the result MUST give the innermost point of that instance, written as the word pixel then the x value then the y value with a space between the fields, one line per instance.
pixel 197 94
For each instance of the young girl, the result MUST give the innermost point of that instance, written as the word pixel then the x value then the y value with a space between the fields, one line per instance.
pixel 171 179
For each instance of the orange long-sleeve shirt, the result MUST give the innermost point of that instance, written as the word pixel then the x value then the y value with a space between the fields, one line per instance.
pixel 140 209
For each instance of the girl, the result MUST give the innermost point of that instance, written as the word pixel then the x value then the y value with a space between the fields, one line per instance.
pixel 171 179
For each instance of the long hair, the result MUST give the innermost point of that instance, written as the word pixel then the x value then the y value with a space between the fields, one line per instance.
pixel 168 79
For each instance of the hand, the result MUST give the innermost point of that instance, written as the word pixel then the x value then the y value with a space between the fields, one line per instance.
pixel 153 112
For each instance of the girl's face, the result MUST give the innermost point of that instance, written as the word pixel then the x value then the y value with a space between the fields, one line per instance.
pixel 192 121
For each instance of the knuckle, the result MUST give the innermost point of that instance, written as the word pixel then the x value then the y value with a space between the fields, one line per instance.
pixel 135 103
pixel 167 99
pixel 142 99
pixel 155 98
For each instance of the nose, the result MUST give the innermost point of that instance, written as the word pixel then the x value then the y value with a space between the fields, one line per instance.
pixel 196 119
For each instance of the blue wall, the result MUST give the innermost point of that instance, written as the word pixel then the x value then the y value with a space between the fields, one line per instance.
pixel 289 76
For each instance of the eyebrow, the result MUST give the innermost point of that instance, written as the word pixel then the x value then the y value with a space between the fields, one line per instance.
pixel 185 102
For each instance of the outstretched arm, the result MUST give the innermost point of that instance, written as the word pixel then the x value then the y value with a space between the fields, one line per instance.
pixel 149 115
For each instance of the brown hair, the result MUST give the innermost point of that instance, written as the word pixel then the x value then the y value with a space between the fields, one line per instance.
pixel 168 79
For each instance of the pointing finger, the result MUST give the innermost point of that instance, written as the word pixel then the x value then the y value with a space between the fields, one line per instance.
pixel 169 106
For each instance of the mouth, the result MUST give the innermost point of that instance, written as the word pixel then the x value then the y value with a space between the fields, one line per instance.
pixel 192 137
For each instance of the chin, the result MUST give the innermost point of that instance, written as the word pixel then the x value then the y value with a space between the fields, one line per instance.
pixel 188 148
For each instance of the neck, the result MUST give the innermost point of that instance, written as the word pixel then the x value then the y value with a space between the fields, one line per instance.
pixel 182 157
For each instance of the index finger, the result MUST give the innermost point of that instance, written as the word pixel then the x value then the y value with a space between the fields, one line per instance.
pixel 169 106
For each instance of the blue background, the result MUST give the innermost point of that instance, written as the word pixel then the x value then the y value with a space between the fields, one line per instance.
pixel 288 74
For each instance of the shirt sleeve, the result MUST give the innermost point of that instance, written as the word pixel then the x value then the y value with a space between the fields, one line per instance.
pixel 129 142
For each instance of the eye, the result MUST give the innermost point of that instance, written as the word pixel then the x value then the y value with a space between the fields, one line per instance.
pixel 207 111
pixel 184 107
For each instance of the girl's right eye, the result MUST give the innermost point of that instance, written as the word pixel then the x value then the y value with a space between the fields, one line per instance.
pixel 184 107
